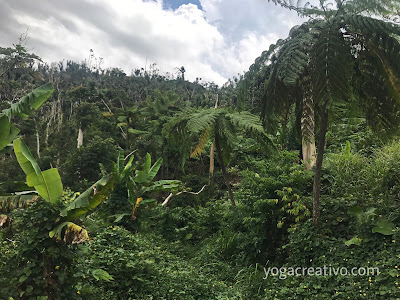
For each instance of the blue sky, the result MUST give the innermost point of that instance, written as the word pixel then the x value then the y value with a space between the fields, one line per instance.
pixel 212 39
pixel 174 4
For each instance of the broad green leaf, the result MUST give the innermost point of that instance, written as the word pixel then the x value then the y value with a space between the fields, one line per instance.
pixel 120 160
pixel 128 166
pixel 162 185
pixel 154 169
pixel 89 199
pixel 147 163
pixel 25 158
pixel 384 227
pixel 24 107
pixel 47 183
pixel 8 132
pixel 353 241
pixel 147 174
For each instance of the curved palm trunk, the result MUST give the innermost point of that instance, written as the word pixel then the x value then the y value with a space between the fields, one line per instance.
pixel 318 166
pixel 224 173
pixel 308 131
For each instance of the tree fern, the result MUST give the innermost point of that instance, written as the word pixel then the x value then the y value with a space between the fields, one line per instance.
pixel 190 131
pixel 349 57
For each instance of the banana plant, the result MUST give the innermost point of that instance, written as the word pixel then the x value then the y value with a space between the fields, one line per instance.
pixel 49 186
pixel 139 182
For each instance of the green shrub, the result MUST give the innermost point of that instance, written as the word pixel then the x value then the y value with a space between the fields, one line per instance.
pixel 34 265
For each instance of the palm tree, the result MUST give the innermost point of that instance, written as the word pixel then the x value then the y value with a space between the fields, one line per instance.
pixel 340 57
pixel 218 125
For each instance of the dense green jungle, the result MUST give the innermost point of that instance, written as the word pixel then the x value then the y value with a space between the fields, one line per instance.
pixel 284 183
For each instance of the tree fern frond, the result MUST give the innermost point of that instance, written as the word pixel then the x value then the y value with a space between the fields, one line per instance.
pixel 331 67
pixel 227 138
pixel 246 121
pixel 380 7
pixel 202 143
pixel 227 131
pixel 293 57
pixel 381 104
pixel 252 126
pixel 380 46
pixel 369 26
pixel 199 121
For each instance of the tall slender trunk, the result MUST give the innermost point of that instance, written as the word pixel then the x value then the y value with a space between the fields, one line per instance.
pixel 224 173
pixel 46 139
pixel 308 130
pixel 211 173
pixel 80 138
pixel 318 166
pixel 37 141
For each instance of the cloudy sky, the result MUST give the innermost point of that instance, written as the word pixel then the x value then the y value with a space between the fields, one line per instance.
pixel 212 39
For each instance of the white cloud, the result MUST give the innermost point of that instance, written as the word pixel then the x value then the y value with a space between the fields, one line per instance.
pixel 214 44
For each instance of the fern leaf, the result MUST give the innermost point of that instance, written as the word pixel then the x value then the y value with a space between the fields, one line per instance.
pixel 202 143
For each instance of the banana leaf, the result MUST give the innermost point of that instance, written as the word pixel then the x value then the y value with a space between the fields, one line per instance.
pixel 89 199
pixel 47 183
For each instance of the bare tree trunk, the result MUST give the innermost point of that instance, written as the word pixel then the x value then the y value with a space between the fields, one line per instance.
pixel 211 173
pixel 224 173
pixel 309 153
pixel 37 141
pixel 80 138
pixel 308 131
pixel 318 166
pixel 46 140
